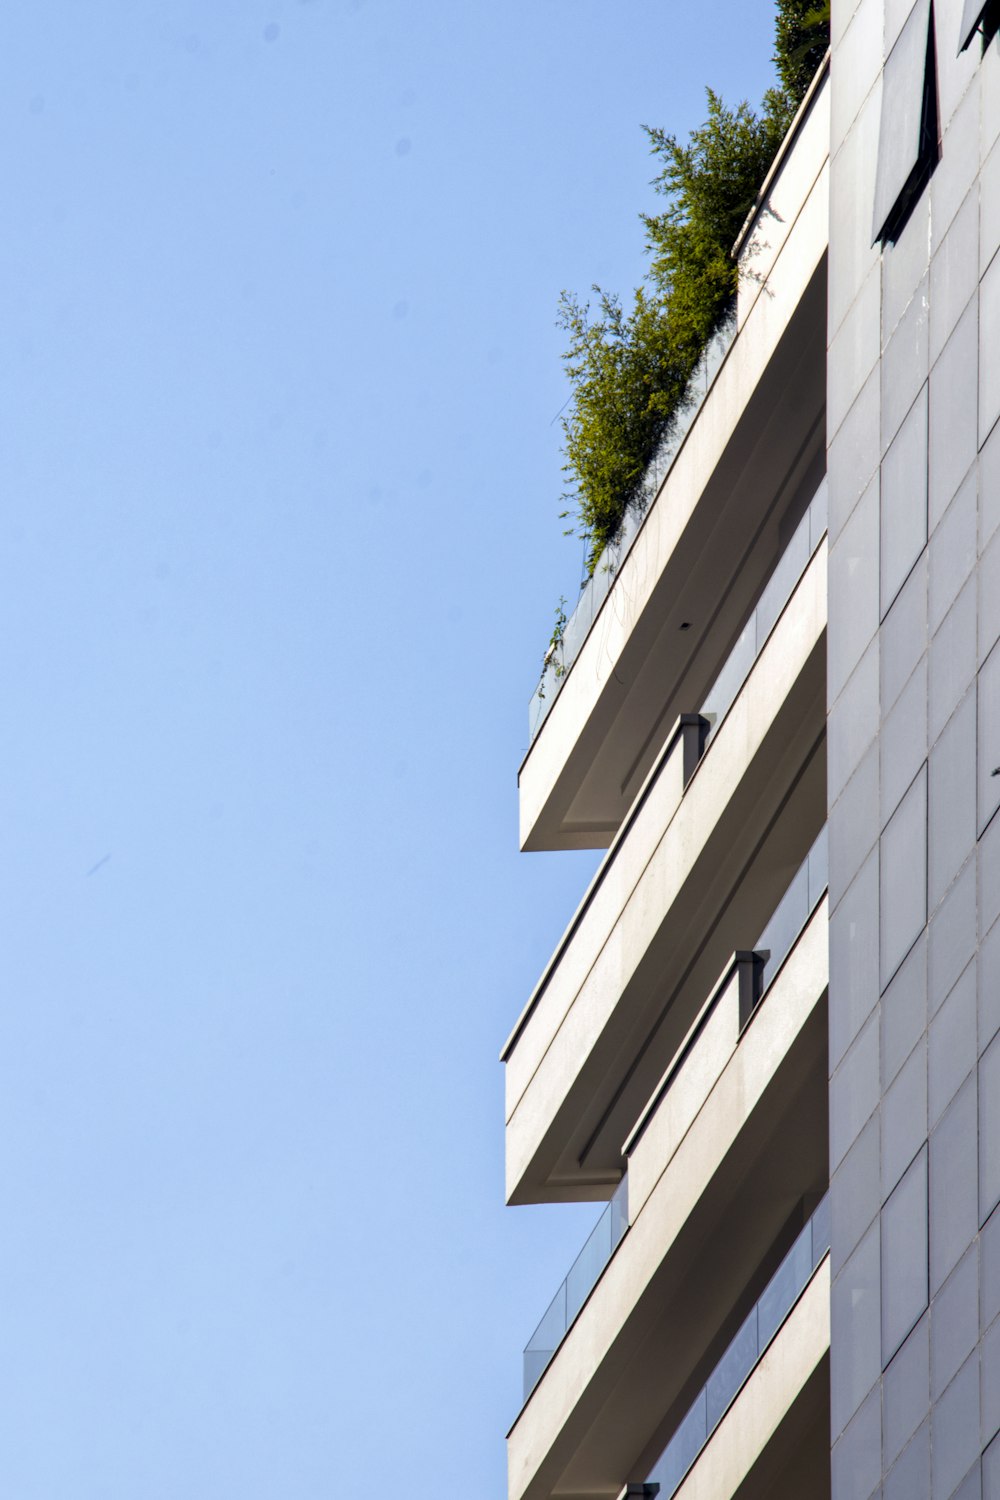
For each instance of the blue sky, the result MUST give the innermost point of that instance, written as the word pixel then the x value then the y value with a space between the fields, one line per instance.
pixel 279 556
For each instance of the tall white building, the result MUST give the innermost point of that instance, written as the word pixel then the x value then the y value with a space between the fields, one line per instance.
pixel 769 1036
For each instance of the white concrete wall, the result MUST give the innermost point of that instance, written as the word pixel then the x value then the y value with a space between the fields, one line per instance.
pixel 914 480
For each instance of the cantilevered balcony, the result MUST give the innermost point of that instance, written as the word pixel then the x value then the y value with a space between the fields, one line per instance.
pixel 710 535
pixel 727 813
pixel 699 1062
pixel 724 1163
pixel 749 1398
pixel 774 1441
pixel 716 1030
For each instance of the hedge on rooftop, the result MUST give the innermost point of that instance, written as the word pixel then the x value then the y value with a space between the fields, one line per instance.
pixel 629 366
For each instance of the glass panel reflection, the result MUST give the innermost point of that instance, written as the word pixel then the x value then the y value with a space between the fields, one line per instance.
pixel 737 1364
pixel 588 1266
pixel 793 910
pixel 788 570
pixel 732 677
pixel 776 593
pixel 785 925
pixel 821 1230
pixel 732 1369
pixel 583 1276
pixel 687 1442
pixel 784 1287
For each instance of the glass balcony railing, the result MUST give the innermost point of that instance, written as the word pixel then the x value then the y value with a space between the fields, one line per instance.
pixel 776 594
pixel 793 910
pixel 584 1275
pixel 769 953
pixel 745 983
pixel 697 730
pixel 744 1353
pixel 596 589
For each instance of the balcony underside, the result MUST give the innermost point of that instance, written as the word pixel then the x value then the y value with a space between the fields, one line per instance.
pixel 590 1055
pixel 702 554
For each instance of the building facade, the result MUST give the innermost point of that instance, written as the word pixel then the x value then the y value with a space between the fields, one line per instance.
pixel 914 739
pixel 769 1039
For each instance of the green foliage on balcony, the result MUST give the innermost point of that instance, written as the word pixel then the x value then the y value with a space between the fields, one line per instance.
pixel 802 35
pixel 629 366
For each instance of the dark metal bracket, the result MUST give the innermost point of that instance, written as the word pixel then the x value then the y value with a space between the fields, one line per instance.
pixel 750 971
pixel 694 732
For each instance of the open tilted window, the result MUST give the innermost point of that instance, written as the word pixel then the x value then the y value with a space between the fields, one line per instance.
pixel 908 145
pixel 978 15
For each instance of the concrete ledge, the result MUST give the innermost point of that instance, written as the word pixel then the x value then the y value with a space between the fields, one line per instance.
pixel 671 908
pixel 680 1106
pixel 657 801
pixel 705 543
pixel 802 156
pixel 714 1205
pixel 734 1459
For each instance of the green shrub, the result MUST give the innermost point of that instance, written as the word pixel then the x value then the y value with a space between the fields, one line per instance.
pixel 802 35
pixel 629 369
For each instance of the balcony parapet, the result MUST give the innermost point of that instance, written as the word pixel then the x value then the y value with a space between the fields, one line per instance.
pixel 699 1062
pixel 777 591
pixel 596 589
pixel 673 1290
pixel 719 1027
pixel 634 937
pixel 682 581
pixel 786 186
pixel 744 1353
pixel 691 732
pixel 658 799
pixel 781 1410
pixel 791 176
pixel 584 1274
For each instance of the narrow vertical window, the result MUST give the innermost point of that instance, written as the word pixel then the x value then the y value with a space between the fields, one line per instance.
pixel 908 145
